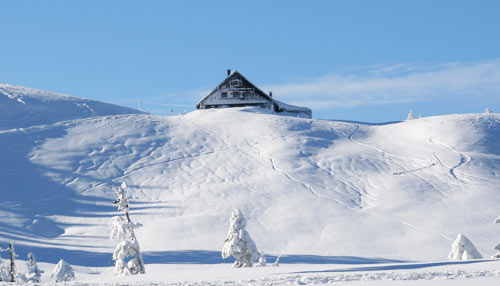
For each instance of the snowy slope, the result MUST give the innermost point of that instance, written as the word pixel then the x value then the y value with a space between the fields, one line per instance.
pixel 23 107
pixel 337 190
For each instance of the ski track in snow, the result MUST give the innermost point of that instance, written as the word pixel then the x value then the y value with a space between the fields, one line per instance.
pixel 304 184
pixel 450 169
pixel 383 152
pixel 407 171
pixel 308 187
pixel 414 170
pixel 126 174
pixel 351 186
pixel 464 159
pixel 410 225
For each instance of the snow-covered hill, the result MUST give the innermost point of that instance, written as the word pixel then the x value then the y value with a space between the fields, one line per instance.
pixel 23 107
pixel 337 190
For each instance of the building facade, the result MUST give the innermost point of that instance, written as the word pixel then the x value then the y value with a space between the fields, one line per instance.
pixel 236 91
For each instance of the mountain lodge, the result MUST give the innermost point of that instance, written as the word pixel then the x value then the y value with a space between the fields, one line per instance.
pixel 236 91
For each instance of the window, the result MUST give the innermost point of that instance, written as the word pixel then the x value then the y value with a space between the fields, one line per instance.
pixel 236 82
pixel 223 94
pixel 236 94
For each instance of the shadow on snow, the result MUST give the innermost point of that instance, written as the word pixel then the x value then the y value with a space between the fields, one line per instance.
pixel 214 257
pixel 101 259
pixel 401 266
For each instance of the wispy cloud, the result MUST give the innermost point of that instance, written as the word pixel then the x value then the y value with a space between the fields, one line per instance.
pixel 173 102
pixel 185 97
pixel 385 84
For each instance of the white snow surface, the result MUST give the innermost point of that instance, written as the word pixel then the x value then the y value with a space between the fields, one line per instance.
pixel 23 107
pixel 317 192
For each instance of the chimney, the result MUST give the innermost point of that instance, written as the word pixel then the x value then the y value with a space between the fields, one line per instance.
pixel 228 72
pixel 270 94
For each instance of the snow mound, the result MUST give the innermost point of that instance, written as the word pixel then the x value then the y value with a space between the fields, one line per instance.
pixel 463 249
pixel 24 107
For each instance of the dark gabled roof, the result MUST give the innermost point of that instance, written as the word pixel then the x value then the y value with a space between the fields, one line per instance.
pixel 235 72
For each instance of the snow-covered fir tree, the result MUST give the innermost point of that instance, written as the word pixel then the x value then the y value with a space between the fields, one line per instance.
pixel 463 249
pixel 33 272
pixel 63 272
pixel 238 242
pixel 487 110
pixel 410 116
pixel 128 247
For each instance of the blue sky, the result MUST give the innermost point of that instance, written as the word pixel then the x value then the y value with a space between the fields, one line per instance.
pixel 351 60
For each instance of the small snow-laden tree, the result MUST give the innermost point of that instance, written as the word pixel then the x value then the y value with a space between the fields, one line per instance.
pixel 238 242
pixel 277 261
pixel 122 229
pixel 63 272
pixel 123 250
pixel 34 273
pixel 410 116
pixel 497 247
pixel 262 262
pixel 4 272
pixel 487 110
pixel 463 249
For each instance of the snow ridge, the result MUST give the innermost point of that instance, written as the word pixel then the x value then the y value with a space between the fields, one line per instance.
pixel 24 107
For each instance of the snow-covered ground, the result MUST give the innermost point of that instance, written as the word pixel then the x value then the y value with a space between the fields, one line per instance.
pixel 23 107
pixel 340 201
pixel 438 273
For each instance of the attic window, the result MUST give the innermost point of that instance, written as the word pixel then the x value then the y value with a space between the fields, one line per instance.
pixel 236 82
